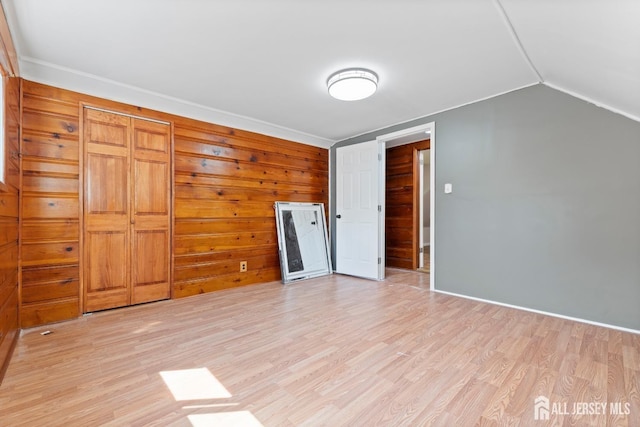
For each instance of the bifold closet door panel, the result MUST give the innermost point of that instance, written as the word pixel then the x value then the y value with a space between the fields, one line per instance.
pixel 106 211
pixel 107 277
pixel 151 217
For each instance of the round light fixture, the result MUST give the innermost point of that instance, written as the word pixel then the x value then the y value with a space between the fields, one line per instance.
pixel 352 84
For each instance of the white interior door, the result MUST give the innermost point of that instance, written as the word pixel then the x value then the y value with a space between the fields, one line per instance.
pixel 360 210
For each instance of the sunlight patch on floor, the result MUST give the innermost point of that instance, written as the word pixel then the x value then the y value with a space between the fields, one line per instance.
pixel 215 405
pixel 194 384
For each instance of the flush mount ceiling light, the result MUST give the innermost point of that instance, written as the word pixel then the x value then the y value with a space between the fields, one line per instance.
pixel 352 84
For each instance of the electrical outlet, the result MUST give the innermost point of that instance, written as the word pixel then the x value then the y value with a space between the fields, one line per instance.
pixel 243 266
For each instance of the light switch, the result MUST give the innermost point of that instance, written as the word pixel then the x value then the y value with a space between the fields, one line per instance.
pixel 448 188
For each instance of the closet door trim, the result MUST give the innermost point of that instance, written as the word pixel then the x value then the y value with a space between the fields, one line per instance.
pixel 120 113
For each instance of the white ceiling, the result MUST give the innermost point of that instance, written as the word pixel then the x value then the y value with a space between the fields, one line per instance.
pixel 263 65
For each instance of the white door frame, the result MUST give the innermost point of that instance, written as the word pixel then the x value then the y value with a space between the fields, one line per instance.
pixel 407 136
pixel 421 208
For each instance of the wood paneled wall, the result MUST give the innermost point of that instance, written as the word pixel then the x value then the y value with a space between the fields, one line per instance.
pixel 9 209
pixel 401 205
pixel 226 182
pixel 50 206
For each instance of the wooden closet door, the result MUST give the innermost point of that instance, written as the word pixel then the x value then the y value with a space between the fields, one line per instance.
pixel 151 217
pixel 106 210
pixel 126 210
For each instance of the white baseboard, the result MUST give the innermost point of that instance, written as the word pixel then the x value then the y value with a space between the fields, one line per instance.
pixel 546 313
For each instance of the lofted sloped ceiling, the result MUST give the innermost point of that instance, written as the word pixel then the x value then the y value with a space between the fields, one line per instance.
pixel 263 65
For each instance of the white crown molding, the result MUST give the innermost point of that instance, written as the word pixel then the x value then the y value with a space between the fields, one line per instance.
pixel 78 81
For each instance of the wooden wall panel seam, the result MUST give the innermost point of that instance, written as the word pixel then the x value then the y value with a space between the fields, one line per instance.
pixel 46 135
pixel 222 167
pixel 218 134
pixel 252 156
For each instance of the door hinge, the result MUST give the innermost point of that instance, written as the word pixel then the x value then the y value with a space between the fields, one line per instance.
pixel 421 250
pixel 379 208
pixel 379 260
pixel 379 157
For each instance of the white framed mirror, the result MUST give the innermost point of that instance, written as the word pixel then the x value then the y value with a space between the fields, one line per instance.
pixel 303 242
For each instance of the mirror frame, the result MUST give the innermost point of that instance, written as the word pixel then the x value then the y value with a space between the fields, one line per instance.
pixel 318 208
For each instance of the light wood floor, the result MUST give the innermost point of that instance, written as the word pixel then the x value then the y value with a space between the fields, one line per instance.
pixel 334 351
pixel 426 260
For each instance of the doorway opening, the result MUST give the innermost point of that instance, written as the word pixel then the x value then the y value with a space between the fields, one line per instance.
pixel 424 212
pixel 402 138
pixel 402 198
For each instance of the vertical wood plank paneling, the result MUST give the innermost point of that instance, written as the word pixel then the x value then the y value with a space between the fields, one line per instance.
pixel 224 184
pixel 401 220
pixel 9 225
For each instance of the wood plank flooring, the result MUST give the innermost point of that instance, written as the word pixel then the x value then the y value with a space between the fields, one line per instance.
pixel 334 351
pixel 427 260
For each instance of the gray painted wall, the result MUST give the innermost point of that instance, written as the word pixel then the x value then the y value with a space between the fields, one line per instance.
pixel 545 209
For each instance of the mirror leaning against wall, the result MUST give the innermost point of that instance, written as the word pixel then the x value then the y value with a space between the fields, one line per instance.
pixel 303 242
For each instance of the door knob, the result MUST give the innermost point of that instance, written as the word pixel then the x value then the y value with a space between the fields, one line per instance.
pixel 338 216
